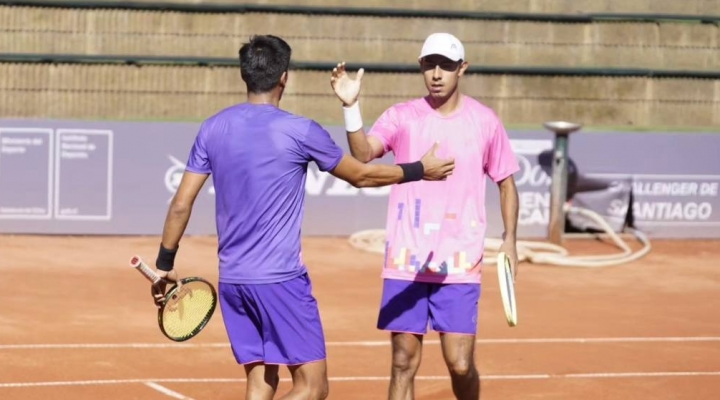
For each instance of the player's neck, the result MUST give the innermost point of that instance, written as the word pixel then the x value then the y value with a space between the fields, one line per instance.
pixel 271 98
pixel 447 105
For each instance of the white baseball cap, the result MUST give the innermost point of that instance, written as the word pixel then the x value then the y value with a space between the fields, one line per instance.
pixel 443 44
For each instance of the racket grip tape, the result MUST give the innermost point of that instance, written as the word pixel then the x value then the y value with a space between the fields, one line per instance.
pixel 137 263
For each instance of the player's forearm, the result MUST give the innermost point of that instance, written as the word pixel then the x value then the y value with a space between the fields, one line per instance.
pixel 376 175
pixel 359 146
pixel 175 223
pixel 357 140
pixel 509 207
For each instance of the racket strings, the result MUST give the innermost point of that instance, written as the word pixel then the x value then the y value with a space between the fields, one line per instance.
pixel 187 310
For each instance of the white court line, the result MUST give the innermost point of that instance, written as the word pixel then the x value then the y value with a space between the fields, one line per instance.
pixel 594 375
pixel 164 390
pixel 643 374
pixel 365 343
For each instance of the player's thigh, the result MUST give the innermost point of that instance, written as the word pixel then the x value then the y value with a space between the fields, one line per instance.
pixel 454 308
pixel 242 322
pixel 404 306
pixel 293 331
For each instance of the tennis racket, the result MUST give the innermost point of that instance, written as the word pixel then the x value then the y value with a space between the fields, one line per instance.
pixel 187 307
pixel 507 288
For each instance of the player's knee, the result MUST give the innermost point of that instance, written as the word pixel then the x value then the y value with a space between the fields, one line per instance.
pixel 319 391
pixel 461 367
pixel 323 392
pixel 405 361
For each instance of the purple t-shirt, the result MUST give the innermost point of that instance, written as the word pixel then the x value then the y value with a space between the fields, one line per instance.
pixel 258 156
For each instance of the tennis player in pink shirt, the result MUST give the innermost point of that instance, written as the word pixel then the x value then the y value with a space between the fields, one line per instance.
pixel 436 230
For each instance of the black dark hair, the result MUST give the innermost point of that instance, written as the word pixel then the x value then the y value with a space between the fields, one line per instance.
pixel 262 62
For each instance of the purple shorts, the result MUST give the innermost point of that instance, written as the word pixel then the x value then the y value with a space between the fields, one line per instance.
pixel 409 306
pixel 275 323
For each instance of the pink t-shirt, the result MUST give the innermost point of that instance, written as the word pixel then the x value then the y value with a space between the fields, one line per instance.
pixel 436 229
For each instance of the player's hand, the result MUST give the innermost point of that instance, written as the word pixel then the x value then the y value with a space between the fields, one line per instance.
pixel 346 88
pixel 510 249
pixel 158 290
pixel 436 169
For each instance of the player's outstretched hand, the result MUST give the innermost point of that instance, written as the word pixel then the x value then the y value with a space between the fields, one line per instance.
pixel 436 169
pixel 346 88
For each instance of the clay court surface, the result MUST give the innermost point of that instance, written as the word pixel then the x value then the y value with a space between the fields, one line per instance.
pixel 78 323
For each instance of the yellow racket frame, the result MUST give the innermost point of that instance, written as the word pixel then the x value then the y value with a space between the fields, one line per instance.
pixel 172 294
pixel 169 301
pixel 507 288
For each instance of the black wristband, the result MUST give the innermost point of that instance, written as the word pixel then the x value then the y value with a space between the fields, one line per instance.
pixel 412 171
pixel 165 259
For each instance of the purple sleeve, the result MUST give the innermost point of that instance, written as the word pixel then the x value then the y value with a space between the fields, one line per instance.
pixel 198 160
pixel 319 147
pixel 501 161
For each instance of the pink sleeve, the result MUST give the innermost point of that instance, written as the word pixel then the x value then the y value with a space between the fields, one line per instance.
pixel 500 161
pixel 385 129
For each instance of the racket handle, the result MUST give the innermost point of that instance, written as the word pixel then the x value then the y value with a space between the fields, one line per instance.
pixel 137 263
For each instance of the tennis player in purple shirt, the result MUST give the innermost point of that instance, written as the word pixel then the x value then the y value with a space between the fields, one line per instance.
pixel 258 156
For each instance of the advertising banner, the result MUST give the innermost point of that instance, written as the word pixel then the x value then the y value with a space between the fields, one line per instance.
pixel 117 178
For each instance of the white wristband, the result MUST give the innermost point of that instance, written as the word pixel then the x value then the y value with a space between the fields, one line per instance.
pixel 353 119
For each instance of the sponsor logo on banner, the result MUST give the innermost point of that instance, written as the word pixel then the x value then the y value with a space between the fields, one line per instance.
pixel 173 176
pixel 317 183
pixel 532 182
pixel 658 200
pixel 679 200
